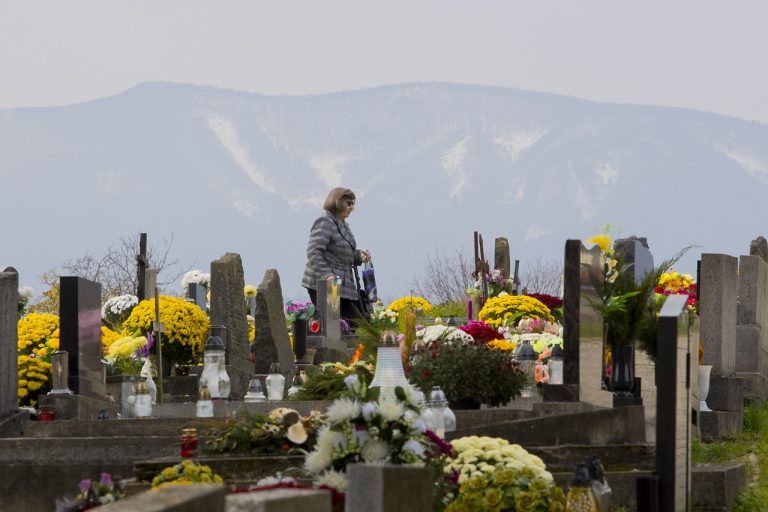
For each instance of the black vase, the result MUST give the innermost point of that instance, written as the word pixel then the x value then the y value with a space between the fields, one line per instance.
pixel 622 380
pixel 299 338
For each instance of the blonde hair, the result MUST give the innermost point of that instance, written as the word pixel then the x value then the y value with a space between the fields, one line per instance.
pixel 337 199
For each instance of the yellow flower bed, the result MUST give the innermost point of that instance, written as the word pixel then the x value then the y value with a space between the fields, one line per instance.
pixel 186 326
pixel 34 330
pixel 510 309
pixel 410 303
pixel 33 379
pixel 185 473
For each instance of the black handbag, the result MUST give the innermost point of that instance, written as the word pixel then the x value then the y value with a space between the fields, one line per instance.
pixel 363 302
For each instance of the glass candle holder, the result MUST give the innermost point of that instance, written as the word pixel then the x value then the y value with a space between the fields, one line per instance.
pixel 275 383
pixel 189 442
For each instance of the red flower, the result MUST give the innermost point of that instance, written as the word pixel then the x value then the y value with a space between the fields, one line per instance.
pixel 548 300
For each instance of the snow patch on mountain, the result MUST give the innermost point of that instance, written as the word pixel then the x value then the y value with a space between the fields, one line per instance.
pixel 227 134
pixel 753 165
pixel 453 165
pixel 513 144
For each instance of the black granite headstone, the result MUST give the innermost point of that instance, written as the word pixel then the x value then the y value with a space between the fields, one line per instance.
pixel 673 404
pixel 80 335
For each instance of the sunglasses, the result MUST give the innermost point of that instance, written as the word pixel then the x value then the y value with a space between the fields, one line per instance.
pixel 350 203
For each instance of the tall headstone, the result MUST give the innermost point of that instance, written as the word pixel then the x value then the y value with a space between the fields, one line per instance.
pixel 635 252
pixel 272 344
pixel 80 335
pixel 328 344
pixel 9 318
pixel 751 326
pixel 228 309
pixel 198 294
pixel 717 315
pixel 501 256
pixel 717 312
pixel 674 404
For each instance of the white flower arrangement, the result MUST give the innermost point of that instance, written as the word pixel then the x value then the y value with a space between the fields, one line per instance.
pixel 119 306
pixel 539 341
pixel 443 333
pixel 475 456
pixel 195 277
pixel 364 427
pixel 25 292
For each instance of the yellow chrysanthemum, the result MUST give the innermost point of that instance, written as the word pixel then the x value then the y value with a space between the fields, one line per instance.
pixel 108 337
pixel 410 303
pixel 34 330
pixel 249 290
pixel 506 309
pixel 602 241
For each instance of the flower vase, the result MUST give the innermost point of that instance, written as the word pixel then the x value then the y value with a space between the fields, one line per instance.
pixel 622 379
pixel 704 372
pixel 299 338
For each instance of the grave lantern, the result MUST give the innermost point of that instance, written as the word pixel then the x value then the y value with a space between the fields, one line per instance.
pixel 526 356
pixel 60 373
pixel 556 365
pixel 438 404
pixel 214 365
pixel 389 366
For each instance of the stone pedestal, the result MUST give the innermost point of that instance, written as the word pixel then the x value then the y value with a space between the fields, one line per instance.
pixel 280 500
pixel 389 488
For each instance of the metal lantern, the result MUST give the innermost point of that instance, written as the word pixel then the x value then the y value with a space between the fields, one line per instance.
pixel 556 365
pixel 389 366
pixel 526 356
pixel 214 365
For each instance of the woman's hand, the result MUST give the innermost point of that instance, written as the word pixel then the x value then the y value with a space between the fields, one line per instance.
pixel 365 255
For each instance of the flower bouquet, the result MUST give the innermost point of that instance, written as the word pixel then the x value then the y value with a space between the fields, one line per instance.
pixel 117 309
pixel 494 475
pixel 92 494
pixel 410 303
pixel 281 431
pixel 299 310
pixel 185 473
pixel 508 310
pixel 195 277
pixel 126 355
pixel 363 427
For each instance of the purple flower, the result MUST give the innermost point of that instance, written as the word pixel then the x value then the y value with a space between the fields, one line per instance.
pixel 106 479
pixel 444 447
pixel 85 485
pixel 144 351
pixel 344 326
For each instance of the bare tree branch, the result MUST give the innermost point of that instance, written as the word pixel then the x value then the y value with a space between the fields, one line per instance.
pixel 446 278
pixel 542 276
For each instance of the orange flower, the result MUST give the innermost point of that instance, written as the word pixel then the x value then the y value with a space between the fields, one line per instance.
pixel 357 355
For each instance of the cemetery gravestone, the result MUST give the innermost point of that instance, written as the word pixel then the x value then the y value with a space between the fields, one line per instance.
pixel 674 404
pixel 9 317
pixel 501 256
pixel 751 325
pixel 228 309
pixel 272 344
pixel 80 335
pixel 329 346
pixel 198 294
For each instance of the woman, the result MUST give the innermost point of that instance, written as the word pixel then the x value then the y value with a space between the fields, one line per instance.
pixel 332 251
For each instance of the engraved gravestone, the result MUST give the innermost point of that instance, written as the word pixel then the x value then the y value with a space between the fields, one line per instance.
pixel 228 309
pixel 80 335
pixel 272 344
pixel 9 317
pixel 501 256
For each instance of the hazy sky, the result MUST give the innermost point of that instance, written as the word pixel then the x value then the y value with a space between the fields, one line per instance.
pixel 702 54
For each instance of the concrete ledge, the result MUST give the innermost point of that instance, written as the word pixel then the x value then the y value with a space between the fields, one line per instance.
pixel 717 425
pixel 387 488
pixel 617 457
pixel 14 425
pixel 714 487
pixel 87 450
pixel 279 500
pixel 560 393
pixel 174 498
pixel 625 425
pixel 725 393
pixel 71 407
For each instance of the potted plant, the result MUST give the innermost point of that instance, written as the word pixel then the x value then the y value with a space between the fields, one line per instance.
pixel 469 372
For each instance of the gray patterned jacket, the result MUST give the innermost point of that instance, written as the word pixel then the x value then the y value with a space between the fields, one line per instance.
pixel 331 250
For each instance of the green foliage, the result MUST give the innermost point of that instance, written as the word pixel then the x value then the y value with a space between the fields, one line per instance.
pixel 327 381
pixel 756 418
pixel 467 371
pixel 750 500
pixel 444 311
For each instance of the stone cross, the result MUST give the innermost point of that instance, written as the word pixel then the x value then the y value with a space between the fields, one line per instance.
pixel 141 268
pixel 80 335
pixel 501 256
pixel 228 309
pixel 675 365
pixel 9 318
pixel 272 344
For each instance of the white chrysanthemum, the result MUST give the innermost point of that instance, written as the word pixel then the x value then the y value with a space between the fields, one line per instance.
pixel 327 438
pixel 390 410
pixel 369 410
pixel 274 480
pixel 444 333
pixel 318 460
pixel 375 451
pixel 26 292
pixel 343 409
pixel 333 479
pixel 414 446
